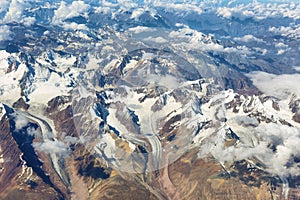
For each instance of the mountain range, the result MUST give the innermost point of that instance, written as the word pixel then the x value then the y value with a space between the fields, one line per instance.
pixel 149 99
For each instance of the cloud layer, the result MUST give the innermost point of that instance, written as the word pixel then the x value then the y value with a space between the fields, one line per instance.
pixel 5 33
pixel 280 86
pixel 67 11
pixel 56 147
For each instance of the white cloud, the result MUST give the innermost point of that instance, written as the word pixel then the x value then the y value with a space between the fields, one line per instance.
pixel 248 38
pixel 108 4
pixel 179 7
pixel 238 12
pixel 126 4
pixel 215 146
pixel 20 121
pixel 282 48
pixel 141 29
pixel 66 11
pixel 281 51
pixel 281 29
pixel 281 45
pixel 4 5
pixel 287 140
pixel 56 147
pixel 190 35
pixel 159 39
pixel 74 26
pixel 28 21
pixel 260 10
pixel 297 68
pixel 273 144
pixel 280 86
pixel 246 121
pixel 280 162
pixel 260 50
pixel 289 31
pixel 105 10
pixel 31 131
pixel 5 33
pixel 192 39
pixel 73 140
pixel 168 80
pixel 137 13
pixel 225 12
pixel 15 11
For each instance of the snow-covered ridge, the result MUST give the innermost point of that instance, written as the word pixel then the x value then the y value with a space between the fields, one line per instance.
pixel 37 81
pixel 2 111
pixel 147 113
pixel 265 132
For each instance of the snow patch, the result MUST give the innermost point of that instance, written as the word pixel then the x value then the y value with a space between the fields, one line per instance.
pixel 45 91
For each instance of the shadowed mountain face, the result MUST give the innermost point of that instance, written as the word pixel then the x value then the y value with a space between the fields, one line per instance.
pixel 149 100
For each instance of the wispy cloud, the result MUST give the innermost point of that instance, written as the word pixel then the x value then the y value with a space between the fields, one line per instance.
pixel 248 38
pixel 156 40
pixel 57 147
pixel 4 5
pixel 20 121
pixel 5 33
